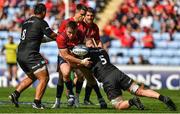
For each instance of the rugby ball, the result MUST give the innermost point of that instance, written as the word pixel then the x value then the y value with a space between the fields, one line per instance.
pixel 80 50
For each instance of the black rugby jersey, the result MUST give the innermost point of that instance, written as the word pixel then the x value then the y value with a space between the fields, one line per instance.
pixel 32 33
pixel 101 65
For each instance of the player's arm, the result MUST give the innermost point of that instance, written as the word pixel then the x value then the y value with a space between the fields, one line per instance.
pixel 46 39
pixel 47 30
pixel 64 52
pixel 67 56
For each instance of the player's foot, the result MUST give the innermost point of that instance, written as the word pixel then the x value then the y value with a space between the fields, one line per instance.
pixel 37 106
pixel 14 99
pixel 76 102
pixel 103 104
pixel 88 102
pixel 56 105
pixel 137 103
pixel 170 104
pixel 71 100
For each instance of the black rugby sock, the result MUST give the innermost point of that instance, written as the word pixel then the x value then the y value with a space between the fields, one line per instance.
pixel 37 101
pixel 131 103
pixel 88 91
pixel 59 91
pixel 78 86
pixel 17 93
pixel 161 98
pixel 97 90
pixel 69 86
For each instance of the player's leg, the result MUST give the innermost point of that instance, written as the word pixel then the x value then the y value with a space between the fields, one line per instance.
pixel 78 81
pixel 141 91
pixel 42 75
pixel 14 70
pixel 120 104
pixel 91 82
pixel 88 90
pixel 59 91
pixel 65 69
pixel 20 88
pixel 112 88
pixel 113 84
pixel 10 73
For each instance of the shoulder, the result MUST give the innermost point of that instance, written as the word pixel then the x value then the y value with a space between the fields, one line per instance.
pixel 43 21
pixel 61 36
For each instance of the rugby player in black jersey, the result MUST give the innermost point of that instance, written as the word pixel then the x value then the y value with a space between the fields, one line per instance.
pixel 29 58
pixel 114 81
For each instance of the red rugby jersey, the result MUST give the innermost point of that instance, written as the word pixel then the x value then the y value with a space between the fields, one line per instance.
pixel 63 41
pixel 92 31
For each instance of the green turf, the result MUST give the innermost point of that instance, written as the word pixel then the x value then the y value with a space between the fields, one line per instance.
pixel 151 105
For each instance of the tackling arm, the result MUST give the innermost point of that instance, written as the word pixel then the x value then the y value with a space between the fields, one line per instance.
pixel 67 56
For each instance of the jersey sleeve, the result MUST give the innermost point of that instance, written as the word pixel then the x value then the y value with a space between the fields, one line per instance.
pixel 46 29
pixel 61 42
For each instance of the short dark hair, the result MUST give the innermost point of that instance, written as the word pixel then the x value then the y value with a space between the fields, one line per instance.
pixel 72 24
pixel 90 9
pixel 39 8
pixel 81 7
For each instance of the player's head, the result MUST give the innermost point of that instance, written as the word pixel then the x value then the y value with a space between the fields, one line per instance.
pixel 10 39
pixel 71 29
pixel 90 15
pixel 80 12
pixel 40 10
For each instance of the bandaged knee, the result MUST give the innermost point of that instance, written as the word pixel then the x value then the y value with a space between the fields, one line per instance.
pixel 116 101
pixel 134 88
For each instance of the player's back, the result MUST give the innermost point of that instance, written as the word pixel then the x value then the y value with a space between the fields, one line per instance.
pixel 31 36
pixel 101 66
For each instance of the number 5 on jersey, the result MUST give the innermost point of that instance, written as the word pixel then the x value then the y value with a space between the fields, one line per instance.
pixel 103 60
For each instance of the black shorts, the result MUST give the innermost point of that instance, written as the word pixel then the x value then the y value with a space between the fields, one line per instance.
pixel 60 61
pixel 11 64
pixel 115 82
pixel 32 64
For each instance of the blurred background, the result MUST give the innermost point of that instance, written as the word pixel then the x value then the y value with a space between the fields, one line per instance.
pixel 142 37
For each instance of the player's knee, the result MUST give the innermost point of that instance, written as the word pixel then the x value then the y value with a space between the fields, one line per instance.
pixel 134 88
pixel 66 75
pixel 139 92
pixel 117 103
pixel 46 79
pixel 79 74
pixel 91 81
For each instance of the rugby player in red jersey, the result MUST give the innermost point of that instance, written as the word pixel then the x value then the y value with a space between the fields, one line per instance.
pixel 78 18
pixel 66 40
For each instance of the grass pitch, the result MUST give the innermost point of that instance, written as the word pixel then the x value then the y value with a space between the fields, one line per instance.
pixel 151 105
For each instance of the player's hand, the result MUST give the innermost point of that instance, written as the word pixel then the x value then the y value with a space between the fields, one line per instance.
pixel 86 62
